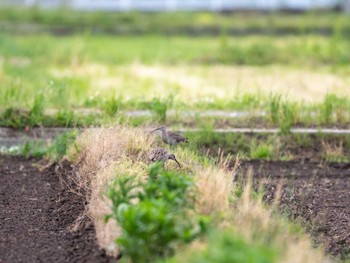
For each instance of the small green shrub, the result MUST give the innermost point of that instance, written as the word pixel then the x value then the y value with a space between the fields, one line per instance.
pixel 226 247
pixel 155 216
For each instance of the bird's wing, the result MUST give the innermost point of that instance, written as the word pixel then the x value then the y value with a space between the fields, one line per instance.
pixel 157 154
pixel 178 137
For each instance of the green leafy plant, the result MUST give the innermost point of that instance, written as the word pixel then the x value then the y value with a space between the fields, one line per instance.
pixel 229 247
pixel 155 216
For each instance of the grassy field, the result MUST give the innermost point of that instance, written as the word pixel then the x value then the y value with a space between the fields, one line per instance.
pixel 46 77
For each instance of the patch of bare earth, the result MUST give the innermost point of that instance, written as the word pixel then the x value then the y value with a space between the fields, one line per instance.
pixel 317 194
pixel 39 211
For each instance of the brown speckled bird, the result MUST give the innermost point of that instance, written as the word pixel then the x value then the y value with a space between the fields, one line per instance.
pixel 169 137
pixel 162 155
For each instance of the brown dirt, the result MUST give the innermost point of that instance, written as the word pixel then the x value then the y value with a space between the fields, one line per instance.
pixel 317 194
pixel 39 209
pixel 38 213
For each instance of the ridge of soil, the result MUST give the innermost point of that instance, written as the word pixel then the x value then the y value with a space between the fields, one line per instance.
pixel 39 216
pixel 313 193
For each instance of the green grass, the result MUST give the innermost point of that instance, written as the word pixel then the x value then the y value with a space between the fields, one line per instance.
pixel 53 151
pixel 41 72
pixel 325 147
pixel 230 247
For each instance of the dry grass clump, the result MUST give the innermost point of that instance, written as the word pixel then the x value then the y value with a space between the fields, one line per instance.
pixel 333 152
pixel 100 155
pixel 214 187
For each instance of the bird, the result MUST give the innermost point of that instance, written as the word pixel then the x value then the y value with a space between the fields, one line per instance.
pixel 169 137
pixel 162 155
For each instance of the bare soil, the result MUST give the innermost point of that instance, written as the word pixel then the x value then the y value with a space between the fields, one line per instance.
pixel 39 216
pixel 316 194
pixel 40 209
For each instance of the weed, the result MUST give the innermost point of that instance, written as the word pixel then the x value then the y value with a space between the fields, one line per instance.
pixel 112 105
pixel 229 246
pixel 54 150
pixel 37 111
pixel 288 116
pixel 334 153
pixel 155 216
pixel 327 110
pixel 159 108
pixel 60 145
pixel 14 117
pixel 274 108
pixel 64 118
pixel 262 150
pixel 333 107
pixel 36 149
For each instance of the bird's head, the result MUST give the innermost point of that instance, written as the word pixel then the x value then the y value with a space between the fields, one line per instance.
pixel 172 157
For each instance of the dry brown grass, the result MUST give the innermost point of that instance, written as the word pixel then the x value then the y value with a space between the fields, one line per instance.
pixel 105 153
pixel 333 151
pixel 102 155
pixel 214 187
pixel 257 221
pixel 205 83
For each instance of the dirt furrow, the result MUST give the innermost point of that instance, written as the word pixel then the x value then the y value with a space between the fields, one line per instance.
pixel 37 215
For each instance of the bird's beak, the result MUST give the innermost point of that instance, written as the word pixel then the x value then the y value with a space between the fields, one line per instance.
pixel 155 130
pixel 177 162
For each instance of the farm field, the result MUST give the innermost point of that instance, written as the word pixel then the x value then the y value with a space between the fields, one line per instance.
pixel 302 75
pixel 103 81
